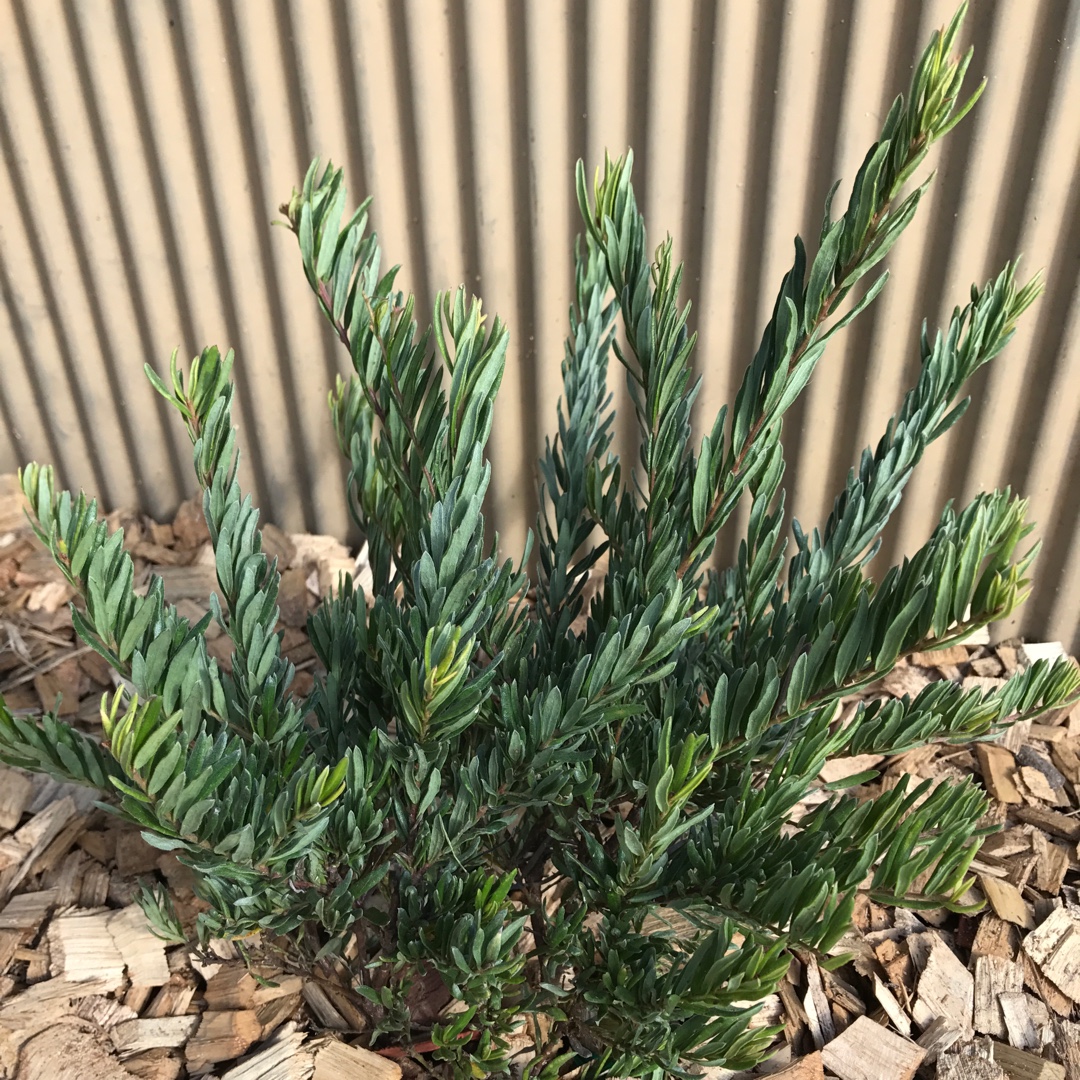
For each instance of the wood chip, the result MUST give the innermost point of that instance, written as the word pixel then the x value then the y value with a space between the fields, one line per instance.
pixel 193 582
pixel 951 654
pixel 867 1051
pixel 1044 989
pixel 1023 1065
pixel 937 1038
pixel 1032 652
pixel 1008 904
pixel 1037 784
pixel 994 975
pixel 1055 948
pixel 19 853
pixel 957 1067
pixel 995 937
pixel 1066 756
pixel 135 1036
pixel 284 1058
pixel 27 910
pixel 1051 864
pixel 946 988
pixel 998 768
pixel 222 1036
pixel 887 1000
pixel 818 1016
pixel 322 1008
pixel 15 791
pixel 65 1051
pixel 806 1068
pixel 142 950
pixel 83 949
pixel 339 1061
pixel 172 999
pixel 1027 1020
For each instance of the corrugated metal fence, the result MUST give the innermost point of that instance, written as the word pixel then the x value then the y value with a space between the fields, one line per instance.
pixel 147 143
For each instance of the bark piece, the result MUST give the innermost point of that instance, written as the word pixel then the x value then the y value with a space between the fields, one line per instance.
pixel 339 1061
pixel 994 975
pixel 1008 904
pixel 998 768
pixel 867 1051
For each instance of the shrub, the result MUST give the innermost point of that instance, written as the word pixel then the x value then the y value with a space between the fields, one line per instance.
pixel 588 820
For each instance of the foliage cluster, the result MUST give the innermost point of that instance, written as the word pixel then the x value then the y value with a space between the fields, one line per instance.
pixel 481 789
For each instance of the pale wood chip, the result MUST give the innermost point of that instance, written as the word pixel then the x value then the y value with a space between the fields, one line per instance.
pixel 946 988
pixel 1055 949
pixel 887 1000
pixel 1008 904
pixel 134 1036
pixel 867 1051
pixel 338 1061
pixel 82 949
pixel 142 950
pixel 15 791
pixel 1027 1020
pixel 286 1057
pixel 994 975
pixel 819 1017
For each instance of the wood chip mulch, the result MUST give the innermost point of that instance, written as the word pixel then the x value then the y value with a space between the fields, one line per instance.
pixel 87 992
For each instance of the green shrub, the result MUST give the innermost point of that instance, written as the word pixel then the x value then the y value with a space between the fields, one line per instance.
pixel 480 787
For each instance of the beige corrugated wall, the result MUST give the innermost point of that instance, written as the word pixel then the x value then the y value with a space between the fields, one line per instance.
pixel 146 145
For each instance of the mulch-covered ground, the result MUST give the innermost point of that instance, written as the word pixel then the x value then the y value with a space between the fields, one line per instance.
pixel 88 993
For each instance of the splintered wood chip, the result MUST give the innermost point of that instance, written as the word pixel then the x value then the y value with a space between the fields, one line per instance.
pixel 994 976
pixel 946 988
pixel 339 1061
pixel 1055 948
pixel 867 1051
